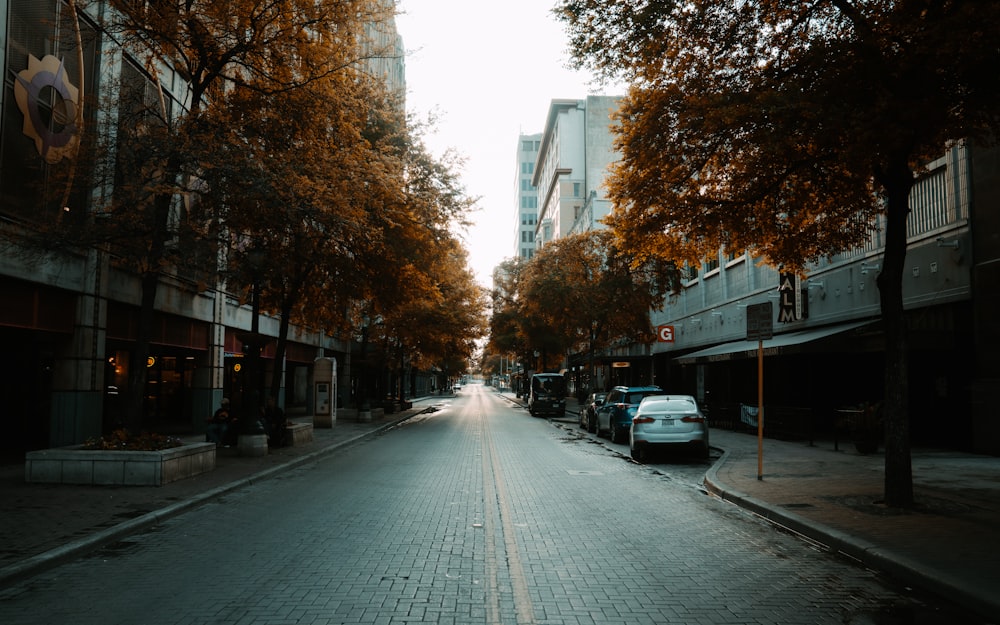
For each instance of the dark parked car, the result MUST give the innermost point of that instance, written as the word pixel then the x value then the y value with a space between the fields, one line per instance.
pixel 547 394
pixel 614 417
pixel 588 411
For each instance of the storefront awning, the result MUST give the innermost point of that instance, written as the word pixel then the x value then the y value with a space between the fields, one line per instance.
pixel 780 343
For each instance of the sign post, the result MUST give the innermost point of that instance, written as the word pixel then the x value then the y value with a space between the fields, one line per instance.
pixel 760 327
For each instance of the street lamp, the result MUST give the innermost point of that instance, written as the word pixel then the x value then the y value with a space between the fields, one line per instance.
pixel 364 408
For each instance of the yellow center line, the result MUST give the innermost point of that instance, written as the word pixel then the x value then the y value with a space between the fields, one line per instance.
pixel 494 489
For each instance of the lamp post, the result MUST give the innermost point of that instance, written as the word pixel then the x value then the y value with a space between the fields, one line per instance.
pixel 364 408
pixel 252 440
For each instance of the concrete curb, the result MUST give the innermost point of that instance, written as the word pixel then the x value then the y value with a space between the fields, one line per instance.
pixel 900 568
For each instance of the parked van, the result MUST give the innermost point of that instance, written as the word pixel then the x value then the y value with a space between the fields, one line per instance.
pixel 547 395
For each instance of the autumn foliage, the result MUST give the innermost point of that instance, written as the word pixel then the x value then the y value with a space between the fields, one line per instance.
pixel 785 128
pixel 248 144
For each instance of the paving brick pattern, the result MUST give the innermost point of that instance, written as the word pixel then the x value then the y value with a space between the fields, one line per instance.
pixel 476 513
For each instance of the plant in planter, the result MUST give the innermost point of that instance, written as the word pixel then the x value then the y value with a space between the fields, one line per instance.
pixel 120 459
pixel 867 427
pixel 122 440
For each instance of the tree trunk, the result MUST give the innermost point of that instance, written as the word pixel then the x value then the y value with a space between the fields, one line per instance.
pixel 150 284
pixel 140 354
pixel 898 470
pixel 279 349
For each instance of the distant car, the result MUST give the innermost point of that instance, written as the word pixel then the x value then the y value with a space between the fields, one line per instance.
pixel 547 395
pixel 457 387
pixel 664 421
pixel 588 412
pixel 614 416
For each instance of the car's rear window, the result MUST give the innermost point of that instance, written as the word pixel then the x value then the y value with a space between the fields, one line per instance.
pixel 670 405
pixel 635 398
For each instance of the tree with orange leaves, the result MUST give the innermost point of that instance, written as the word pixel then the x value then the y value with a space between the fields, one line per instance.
pixel 213 49
pixel 785 128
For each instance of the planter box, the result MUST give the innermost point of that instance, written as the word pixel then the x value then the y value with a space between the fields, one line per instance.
pixel 74 465
pixel 299 433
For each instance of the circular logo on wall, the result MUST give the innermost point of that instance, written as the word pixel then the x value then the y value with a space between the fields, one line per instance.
pixel 49 103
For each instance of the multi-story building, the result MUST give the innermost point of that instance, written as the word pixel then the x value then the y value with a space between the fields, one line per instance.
pixel 575 152
pixel 526 196
pixel 825 358
pixel 68 319
pixel 387 57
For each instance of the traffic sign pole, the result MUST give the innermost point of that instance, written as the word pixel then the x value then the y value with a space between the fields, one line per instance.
pixel 760 409
pixel 760 327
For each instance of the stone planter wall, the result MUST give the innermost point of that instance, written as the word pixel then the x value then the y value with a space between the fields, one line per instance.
pixel 74 465
pixel 299 433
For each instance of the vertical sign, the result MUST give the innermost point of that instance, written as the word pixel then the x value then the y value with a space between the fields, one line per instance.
pixel 790 306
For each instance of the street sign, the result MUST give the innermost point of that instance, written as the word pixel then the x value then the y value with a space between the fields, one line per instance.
pixel 759 324
pixel 665 334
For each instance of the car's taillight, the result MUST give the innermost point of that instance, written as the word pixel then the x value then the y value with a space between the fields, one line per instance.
pixel 642 419
pixel 693 419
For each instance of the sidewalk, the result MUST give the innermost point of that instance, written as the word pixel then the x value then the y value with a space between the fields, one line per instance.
pixel 947 545
pixel 43 525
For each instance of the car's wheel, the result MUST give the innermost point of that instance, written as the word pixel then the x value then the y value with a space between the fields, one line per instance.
pixel 614 433
pixel 636 453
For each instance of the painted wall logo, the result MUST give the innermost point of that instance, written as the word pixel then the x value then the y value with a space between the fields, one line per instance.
pixel 53 128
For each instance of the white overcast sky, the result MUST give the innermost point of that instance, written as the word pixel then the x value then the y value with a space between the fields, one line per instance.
pixel 488 70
